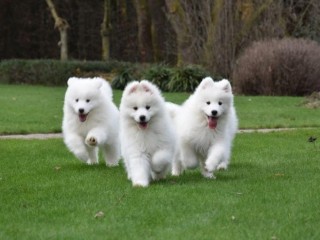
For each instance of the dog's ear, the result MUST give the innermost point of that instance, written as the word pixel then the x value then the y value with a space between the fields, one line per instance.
pixel 132 87
pixel 72 80
pixel 146 86
pixel 206 82
pixel 226 86
pixel 97 82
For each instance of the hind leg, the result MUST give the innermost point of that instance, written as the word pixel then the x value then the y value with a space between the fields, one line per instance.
pixel 111 154
pixel 188 156
pixel 161 164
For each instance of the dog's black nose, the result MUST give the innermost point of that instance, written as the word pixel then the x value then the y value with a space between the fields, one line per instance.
pixel 214 112
pixel 142 118
pixel 81 110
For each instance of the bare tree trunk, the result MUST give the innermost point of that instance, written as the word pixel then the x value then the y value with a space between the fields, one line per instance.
pixel 62 26
pixel 176 15
pixel 105 31
pixel 188 18
pixel 144 34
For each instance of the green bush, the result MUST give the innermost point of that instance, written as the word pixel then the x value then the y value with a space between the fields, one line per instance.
pixel 278 67
pixel 56 72
pixel 186 79
pixel 122 78
pixel 160 75
pixel 51 72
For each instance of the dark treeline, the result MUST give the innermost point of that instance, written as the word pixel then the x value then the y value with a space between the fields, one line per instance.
pixel 208 32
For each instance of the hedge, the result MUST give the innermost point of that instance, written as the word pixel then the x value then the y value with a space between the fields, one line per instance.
pixel 56 73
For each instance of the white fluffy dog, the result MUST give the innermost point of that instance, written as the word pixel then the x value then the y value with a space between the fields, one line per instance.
pixel 146 132
pixel 206 125
pixel 91 120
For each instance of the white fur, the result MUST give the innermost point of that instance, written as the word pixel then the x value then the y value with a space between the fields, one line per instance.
pixel 99 129
pixel 148 146
pixel 198 143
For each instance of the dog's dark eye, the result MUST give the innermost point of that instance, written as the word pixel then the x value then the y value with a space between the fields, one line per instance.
pixel 208 103
pixel 77 100
pixel 135 108
pixel 88 100
pixel 147 107
pixel 220 103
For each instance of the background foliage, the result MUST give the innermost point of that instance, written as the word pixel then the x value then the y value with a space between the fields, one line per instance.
pixel 182 32
pixel 55 72
pixel 279 67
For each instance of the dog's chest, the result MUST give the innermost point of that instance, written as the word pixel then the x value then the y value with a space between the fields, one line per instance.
pixel 202 141
pixel 150 142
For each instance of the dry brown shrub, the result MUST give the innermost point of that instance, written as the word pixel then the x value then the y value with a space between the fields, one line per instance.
pixel 312 101
pixel 278 67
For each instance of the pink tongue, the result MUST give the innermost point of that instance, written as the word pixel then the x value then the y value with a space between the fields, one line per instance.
pixel 143 125
pixel 82 117
pixel 212 122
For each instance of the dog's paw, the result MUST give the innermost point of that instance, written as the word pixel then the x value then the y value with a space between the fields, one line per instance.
pixel 209 166
pixel 140 184
pixel 91 141
pixel 176 173
pixel 90 162
pixel 208 175
pixel 112 164
pixel 176 170
pixel 222 166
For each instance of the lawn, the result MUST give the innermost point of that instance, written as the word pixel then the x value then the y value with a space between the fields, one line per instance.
pixel 270 191
pixel 30 109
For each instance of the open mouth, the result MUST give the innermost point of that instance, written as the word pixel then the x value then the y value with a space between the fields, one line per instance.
pixel 143 125
pixel 82 117
pixel 212 122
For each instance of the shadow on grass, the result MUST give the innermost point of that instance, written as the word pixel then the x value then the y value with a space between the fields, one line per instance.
pixel 236 172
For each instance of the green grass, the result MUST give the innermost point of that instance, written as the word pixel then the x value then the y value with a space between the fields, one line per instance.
pixel 275 112
pixel 29 109
pixel 271 191
pixel 38 109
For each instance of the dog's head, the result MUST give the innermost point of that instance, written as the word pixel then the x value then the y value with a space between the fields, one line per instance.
pixel 141 102
pixel 83 95
pixel 214 99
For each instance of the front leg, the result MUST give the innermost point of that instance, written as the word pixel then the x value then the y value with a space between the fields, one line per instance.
pixel 93 155
pixel 215 156
pixel 95 137
pixel 205 172
pixel 140 171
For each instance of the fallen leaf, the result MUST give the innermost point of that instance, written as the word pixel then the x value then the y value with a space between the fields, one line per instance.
pixel 279 174
pixel 99 214
pixel 57 168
